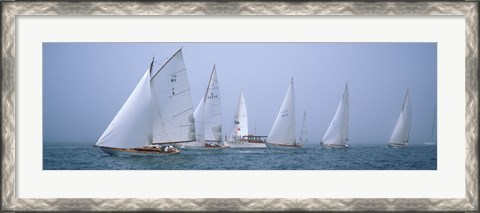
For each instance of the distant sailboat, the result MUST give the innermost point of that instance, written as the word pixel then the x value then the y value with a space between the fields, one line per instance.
pixel 240 137
pixel 337 133
pixel 401 132
pixel 159 111
pixel 303 133
pixel 282 134
pixel 208 117
pixel 432 140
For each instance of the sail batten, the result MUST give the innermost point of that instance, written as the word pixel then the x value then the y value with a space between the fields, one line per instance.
pixel 337 132
pixel 283 130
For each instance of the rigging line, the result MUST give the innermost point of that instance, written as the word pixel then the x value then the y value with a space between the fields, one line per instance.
pixel 166 63
pixel 209 81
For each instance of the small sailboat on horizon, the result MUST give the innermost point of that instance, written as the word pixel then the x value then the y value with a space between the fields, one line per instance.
pixel 432 139
pixel 336 135
pixel 303 132
pixel 157 114
pixel 282 134
pixel 401 132
pixel 240 138
pixel 208 118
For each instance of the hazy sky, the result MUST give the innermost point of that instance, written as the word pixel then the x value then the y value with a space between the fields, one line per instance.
pixel 85 84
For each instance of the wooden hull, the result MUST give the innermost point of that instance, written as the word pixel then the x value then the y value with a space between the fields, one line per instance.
pixel 282 146
pixel 205 147
pixel 136 152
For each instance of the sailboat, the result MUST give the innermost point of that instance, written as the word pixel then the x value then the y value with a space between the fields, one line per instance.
pixel 432 140
pixel 208 118
pixel 282 134
pixel 157 114
pixel 401 132
pixel 337 133
pixel 239 138
pixel 303 133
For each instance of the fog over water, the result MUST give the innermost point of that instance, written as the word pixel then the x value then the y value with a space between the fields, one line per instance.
pixel 85 84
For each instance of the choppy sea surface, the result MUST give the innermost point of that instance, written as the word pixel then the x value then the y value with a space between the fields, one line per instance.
pixel 310 157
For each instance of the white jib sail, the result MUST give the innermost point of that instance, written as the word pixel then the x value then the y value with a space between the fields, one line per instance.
pixel 199 124
pixel 173 110
pixel 402 128
pixel 337 132
pixel 240 119
pixel 283 130
pixel 304 133
pixel 212 112
pixel 132 126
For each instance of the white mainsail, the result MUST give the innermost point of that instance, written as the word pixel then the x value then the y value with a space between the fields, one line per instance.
pixel 337 132
pixel 212 111
pixel 132 126
pixel 173 111
pixel 402 128
pixel 240 119
pixel 304 133
pixel 283 130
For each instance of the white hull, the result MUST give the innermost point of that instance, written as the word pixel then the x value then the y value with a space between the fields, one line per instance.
pixel 243 144
pixel 398 145
pixel 335 145
pixel 282 146
pixel 133 152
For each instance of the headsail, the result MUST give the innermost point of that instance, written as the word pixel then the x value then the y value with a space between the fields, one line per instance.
pixel 337 132
pixel 173 110
pixel 132 126
pixel 402 128
pixel 240 119
pixel 199 123
pixel 283 130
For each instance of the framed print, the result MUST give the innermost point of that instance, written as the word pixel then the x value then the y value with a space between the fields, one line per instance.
pixel 89 88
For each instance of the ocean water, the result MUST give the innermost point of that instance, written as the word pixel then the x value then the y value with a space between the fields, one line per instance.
pixel 310 157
